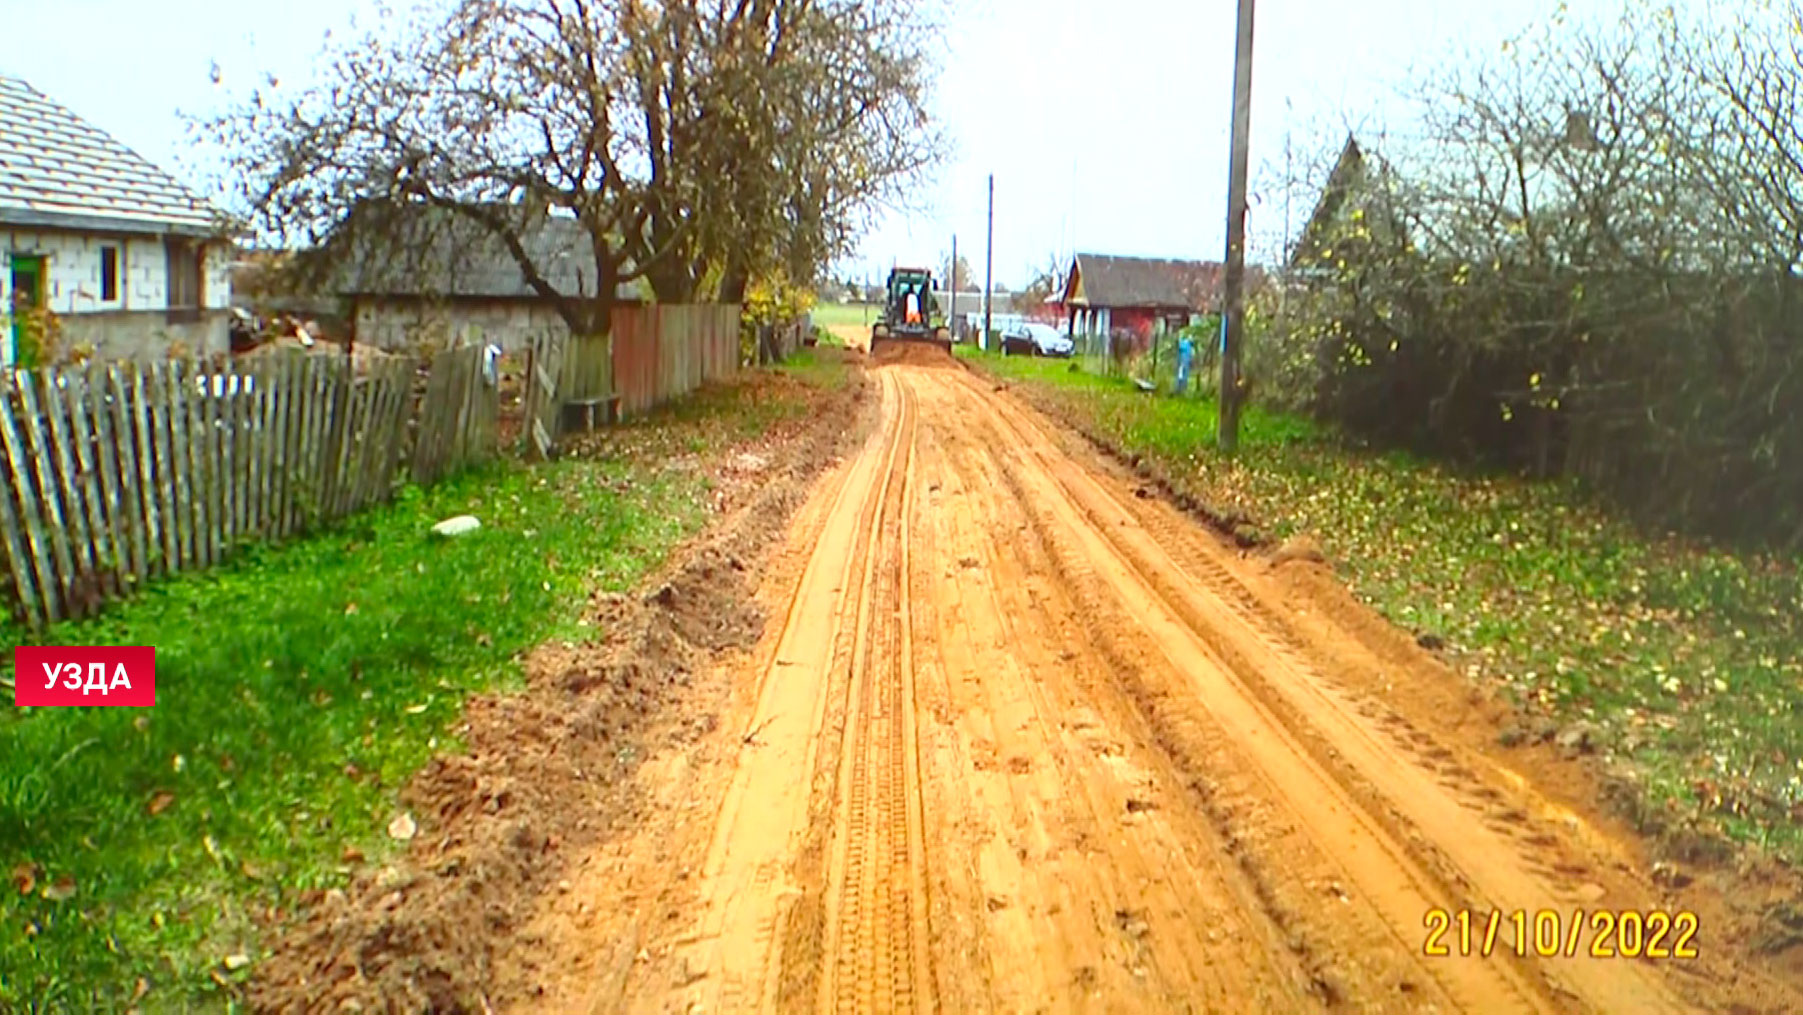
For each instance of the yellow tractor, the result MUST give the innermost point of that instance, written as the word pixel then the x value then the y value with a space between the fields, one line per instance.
pixel 910 313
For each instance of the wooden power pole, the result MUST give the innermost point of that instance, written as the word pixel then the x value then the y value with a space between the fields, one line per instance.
pixel 989 267
pixel 951 285
pixel 1233 284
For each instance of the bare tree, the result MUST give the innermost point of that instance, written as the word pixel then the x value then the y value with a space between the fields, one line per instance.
pixel 1046 281
pixel 957 277
pixel 683 142
pixel 1585 259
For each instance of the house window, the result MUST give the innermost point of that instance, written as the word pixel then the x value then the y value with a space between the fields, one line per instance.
pixel 183 264
pixel 109 274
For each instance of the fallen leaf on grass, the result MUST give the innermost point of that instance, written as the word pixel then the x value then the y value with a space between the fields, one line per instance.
pixel 139 989
pixel 236 961
pixel 160 803
pixel 62 891
pixel 415 709
pixel 25 877
pixel 403 827
pixel 350 608
pixel 250 871
pixel 352 855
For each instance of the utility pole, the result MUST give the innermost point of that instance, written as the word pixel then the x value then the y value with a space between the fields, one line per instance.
pixel 952 311
pixel 989 268
pixel 1233 286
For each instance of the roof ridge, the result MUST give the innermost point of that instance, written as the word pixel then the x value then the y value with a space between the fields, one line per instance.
pixel 60 168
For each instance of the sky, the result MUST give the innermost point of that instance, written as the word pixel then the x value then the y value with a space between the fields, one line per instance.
pixel 1105 124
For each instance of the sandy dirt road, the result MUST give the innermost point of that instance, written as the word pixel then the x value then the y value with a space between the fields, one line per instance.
pixel 1021 738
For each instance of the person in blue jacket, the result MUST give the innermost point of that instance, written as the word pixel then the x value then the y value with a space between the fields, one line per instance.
pixel 1186 354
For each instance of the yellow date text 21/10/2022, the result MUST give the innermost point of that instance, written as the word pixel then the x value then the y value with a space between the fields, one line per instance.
pixel 1549 933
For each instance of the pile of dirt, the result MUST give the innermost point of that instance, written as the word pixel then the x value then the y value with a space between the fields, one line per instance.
pixel 925 354
pixel 545 768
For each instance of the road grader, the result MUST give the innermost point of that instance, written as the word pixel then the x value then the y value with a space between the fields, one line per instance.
pixel 910 313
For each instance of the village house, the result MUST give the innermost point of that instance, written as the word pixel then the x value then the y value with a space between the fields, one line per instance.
pixel 435 276
pixel 128 261
pixel 1135 298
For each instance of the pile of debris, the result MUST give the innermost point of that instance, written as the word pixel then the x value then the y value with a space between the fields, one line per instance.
pixel 254 336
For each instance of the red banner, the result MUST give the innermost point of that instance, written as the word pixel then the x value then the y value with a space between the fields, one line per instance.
pixel 91 675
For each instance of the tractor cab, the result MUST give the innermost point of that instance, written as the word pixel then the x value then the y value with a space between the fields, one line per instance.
pixel 910 313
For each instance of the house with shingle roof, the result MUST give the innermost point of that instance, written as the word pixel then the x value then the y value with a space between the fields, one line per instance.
pixel 1133 298
pixel 128 260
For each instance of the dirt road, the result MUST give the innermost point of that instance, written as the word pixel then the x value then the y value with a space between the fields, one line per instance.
pixel 1022 738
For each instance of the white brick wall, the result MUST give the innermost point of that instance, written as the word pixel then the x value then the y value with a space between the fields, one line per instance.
pixel 144 274
pixel 72 285
pixel 72 279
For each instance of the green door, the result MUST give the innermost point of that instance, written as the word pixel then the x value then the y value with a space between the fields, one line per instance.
pixel 27 292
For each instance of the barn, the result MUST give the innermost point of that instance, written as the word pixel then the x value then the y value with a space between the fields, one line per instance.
pixel 1133 298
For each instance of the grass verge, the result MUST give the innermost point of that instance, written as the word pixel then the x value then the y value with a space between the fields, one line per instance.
pixel 151 850
pixel 1682 663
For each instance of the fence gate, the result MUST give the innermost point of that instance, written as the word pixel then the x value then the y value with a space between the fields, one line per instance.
pixel 542 406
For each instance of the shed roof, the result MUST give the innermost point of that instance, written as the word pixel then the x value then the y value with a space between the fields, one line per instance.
pixel 1347 175
pixel 1101 280
pixel 439 253
pixel 58 170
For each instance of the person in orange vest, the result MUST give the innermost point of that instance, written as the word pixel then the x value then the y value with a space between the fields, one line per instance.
pixel 913 313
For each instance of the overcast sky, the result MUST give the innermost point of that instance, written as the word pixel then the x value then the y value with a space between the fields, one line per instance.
pixel 1105 123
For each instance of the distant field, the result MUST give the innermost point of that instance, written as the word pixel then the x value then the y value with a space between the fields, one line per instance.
pixel 848 322
pixel 829 314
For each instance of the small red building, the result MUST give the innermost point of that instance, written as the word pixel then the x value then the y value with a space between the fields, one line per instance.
pixel 1130 299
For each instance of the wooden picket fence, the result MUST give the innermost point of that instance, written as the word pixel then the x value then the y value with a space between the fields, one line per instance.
pixel 458 418
pixel 116 472
pixel 662 352
pixel 545 390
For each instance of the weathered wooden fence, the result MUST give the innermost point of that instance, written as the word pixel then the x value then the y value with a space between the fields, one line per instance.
pixel 655 354
pixel 546 387
pixel 662 352
pixel 458 417
pixel 112 473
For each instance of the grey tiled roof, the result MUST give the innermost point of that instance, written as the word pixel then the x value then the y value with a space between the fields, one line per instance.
pixel 58 170
pixel 1148 282
pixel 434 252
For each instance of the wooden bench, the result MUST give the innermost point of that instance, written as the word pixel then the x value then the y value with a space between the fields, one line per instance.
pixel 580 413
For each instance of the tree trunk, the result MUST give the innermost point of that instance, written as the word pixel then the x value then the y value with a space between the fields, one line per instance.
pixel 672 281
pixel 733 285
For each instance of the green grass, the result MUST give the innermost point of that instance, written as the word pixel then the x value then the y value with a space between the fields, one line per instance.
pixel 1688 660
pixel 856 314
pixel 299 687
pixel 817 368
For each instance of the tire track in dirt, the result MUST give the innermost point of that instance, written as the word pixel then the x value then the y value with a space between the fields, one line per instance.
pixel 1477 849
pixel 761 934
pixel 1099 884
pixel 875 957
pixel 1367 956
pixel 1027 743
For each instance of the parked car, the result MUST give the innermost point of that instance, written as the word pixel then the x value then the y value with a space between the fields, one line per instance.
pixel 1036 339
